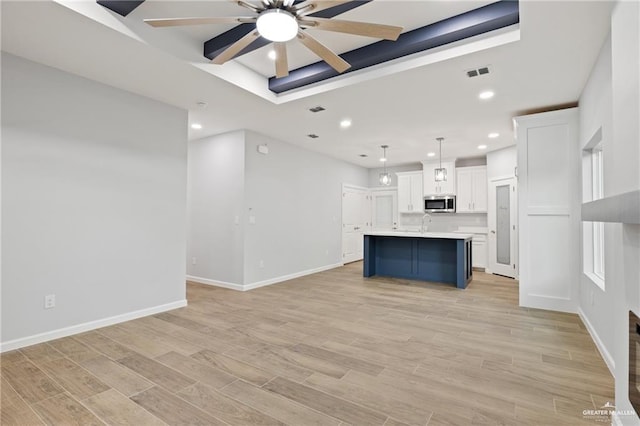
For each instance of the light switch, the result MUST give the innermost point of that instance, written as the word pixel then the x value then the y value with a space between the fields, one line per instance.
pixel 252 220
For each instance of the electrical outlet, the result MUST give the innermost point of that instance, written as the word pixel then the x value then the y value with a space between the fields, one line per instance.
pixel 50 301
pixel 592 298
pixel 261 264
pixel 326 252
pixel 194 260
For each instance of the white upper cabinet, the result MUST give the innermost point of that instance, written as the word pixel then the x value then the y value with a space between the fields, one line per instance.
pixel 431 187
pixel 471 189
pixel 410 194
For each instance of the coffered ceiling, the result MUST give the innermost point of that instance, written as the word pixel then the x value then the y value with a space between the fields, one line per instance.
pixel 539 63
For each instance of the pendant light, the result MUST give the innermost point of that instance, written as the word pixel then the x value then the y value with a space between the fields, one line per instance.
pixel 440 173
pixel 385 178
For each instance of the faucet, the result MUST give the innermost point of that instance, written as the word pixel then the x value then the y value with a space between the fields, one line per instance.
pixel 423 229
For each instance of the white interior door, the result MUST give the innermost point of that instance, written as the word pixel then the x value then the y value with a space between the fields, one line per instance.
pixel 356 214
pixel 384 210
pixel 503 230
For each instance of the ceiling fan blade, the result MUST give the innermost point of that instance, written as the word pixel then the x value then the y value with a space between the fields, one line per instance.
pixel 177 22
pixel 313 6
pixel 336 62
pixel 249 6
pixel 282 65
pixel 387 32
pixel 235 48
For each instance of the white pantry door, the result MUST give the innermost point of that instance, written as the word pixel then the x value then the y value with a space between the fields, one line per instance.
pixel 503 236
pixel 356 219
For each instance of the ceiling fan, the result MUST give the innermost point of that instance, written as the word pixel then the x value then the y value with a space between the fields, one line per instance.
pixel 282 20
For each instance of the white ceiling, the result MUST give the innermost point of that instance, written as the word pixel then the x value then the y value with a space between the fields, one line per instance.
pixel 549 65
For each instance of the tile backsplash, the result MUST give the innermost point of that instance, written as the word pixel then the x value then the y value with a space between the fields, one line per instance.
pixel 443 222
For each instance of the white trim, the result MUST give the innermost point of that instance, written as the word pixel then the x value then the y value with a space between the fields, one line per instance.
pixel 223 284
pixel 608 359
pixel 87 326
pixel 290 276
pixel 548 303
pixel 258 284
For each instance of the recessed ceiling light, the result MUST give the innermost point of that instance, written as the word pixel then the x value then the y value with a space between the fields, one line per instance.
pixel 345 123
pixel 431 154
pixel 486 95
pixel 493 135
pixel 383 159
pixel 196 126
pixel 482 147
pixel 272 55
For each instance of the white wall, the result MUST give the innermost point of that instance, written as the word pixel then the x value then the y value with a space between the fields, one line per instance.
pixel 374 174
pixel 215 235
pixel 93 207
pixel 624 241
pixel 502 163
pixel 596 305
pixel 288 206
pixel 611 100
pixel 295 196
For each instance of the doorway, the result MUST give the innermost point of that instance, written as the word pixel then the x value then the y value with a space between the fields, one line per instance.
pixel 356 219
pixel 503 229
pixel 384 209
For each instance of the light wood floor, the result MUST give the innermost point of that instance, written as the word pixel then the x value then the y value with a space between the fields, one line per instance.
pixel 326 349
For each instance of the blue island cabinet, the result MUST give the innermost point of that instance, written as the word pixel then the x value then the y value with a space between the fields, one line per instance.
pixel 437 257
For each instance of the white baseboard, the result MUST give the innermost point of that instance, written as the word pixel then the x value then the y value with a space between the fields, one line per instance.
pixel 608 359
pixel 547 303
pixel 87 326
pixel 258 284
pixel 290 276
pixel 223 284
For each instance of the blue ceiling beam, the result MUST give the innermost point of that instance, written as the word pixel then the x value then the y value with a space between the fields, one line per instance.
pixel 121 7
pixel 220 43
pixel 475 22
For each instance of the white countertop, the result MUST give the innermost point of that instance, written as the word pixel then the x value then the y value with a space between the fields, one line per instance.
pixel 414 234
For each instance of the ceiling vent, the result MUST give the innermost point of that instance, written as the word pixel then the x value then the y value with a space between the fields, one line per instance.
pixel 317 109
pixel 313 136
pixel 478 71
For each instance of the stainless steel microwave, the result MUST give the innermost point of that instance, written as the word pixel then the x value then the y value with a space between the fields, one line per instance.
pixel 440 204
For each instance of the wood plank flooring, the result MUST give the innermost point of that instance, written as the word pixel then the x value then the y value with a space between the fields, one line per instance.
pixel 327 349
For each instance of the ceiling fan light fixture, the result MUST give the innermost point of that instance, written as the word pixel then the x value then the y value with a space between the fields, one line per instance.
pixel 277 25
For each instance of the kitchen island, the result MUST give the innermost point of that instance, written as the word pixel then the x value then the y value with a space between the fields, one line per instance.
pixel 429 256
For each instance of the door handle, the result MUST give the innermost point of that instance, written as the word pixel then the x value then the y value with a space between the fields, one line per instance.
pixel 493 232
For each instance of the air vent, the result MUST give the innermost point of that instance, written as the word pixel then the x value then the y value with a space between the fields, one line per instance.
pixel 317 109
pixel 478 71
pixel 313 136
